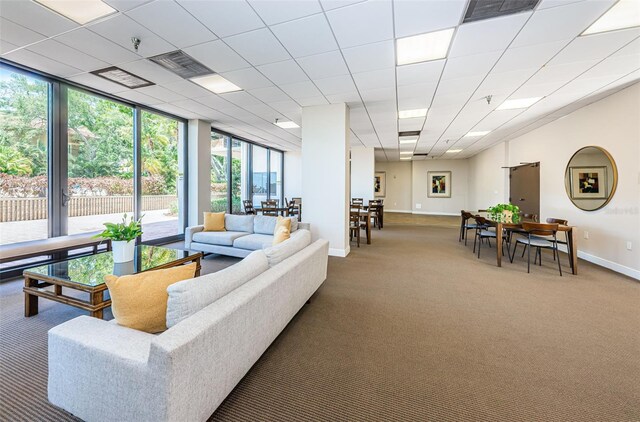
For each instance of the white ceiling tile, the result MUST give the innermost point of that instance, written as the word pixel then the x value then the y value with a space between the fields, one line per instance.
pixel 379 94
pixel 362 23
pixel 419 73
pixel 258 47
pixel 172 22
pixel 5 47
pixel 161 93
pixel 150 71
pixel 16 34
pixel 217 56
pixel 240 98
pixel 289 108
pixel 370 57
pixel 96 82
pixel 313 101
pixel 60 52
pixel 306 36
pixel 269 94
pixel 139 97
pixel 44 64
pixel 178 111
pixel 248 78
pixel 336 85
pixel 301 90
pixel 277 11
pixel 533 56
pixel 561 23
pixel 418 16
pixel 595 46
pixel 410 124
pixel 417 96
pixel 91 43
pixel 614 66
pixel 187 88
pixel 124 5
pixel 560 74
pixel 36 17
pixel 262 110
pixel 216 102
pixel 499 82
pixel 334 4
pixel 377 79
pixel 466 66
pixel 325 65
pixel 487 35
pixel 347 97
pixel 226 17
pixel 283 72
pixel 194 106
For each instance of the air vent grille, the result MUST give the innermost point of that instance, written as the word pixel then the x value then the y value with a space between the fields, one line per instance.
pixel 122 77
pixel 420 154
pixel 487 9
pixel 409 133
pixel 181 64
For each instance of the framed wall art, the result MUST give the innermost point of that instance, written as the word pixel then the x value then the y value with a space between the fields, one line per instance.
pixel 439 184
pixel 379 184
pixel 588 182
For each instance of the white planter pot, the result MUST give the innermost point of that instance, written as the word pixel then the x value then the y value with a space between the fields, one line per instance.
pixel 123 251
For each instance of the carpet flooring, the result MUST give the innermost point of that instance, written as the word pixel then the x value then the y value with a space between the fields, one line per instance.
pixel 411 327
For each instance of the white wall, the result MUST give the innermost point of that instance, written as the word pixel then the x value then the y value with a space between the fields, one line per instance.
pixel 459 187
pixel 325 174
pixel 611 123
pixel 488 181
pixel 363 162
pixel 399 184
pixel 292 174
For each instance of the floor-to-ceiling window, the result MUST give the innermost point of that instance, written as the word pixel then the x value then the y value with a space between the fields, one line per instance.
pixel 239 175
pixel 219 172
pixel 275 175
pixel 259 175
pixel 162 202
pixel 24 121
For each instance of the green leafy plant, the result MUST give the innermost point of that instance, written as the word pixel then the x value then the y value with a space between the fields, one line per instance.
pixel 496 212
pixel 126 230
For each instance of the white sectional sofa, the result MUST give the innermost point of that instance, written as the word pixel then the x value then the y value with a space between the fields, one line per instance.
pixel 244 234
pixel 219 325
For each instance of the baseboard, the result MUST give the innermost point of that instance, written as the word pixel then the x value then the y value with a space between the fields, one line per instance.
pixel 437 213
pixel 630 272
pixel 342 253
pixel 401 211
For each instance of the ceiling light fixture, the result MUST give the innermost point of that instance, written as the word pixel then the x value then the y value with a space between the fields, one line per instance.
pixel 479 133
pixel 286 125
pixel 518 103
pixel 411 140
pixel 409 114
pixel 216 83
pixel 453 151
pixel 624 14
pixel 81 12
pixel 405 158
pixel 122 77
pixel 406 152
pixel 423 48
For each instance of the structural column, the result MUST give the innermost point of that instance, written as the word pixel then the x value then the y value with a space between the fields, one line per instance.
pixel 325 174
pixel 199 165
pixel 363 168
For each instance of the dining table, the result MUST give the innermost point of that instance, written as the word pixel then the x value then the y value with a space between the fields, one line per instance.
pixel 281 210
pixel 572 244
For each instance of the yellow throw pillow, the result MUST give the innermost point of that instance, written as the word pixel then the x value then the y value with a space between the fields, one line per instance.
pixel 139 301
pixel 282 222
pixel 214 222
pixel 282 233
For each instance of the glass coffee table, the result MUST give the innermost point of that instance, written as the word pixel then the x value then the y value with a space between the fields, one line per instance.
pixel 86 274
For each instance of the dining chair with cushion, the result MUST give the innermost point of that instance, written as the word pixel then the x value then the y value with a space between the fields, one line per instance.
pixel 465 225
pixel 248 207
pixel 354 223
pixel 357 201
pixel 483 232
pixel 269 208
pixel 376 210
pixel 539 236
pixel 560 222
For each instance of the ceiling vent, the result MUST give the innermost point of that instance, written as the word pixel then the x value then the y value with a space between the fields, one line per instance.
pixel 409 133
pixel 486 9
pixel 122 77
pixel 181 64
pixel 420 154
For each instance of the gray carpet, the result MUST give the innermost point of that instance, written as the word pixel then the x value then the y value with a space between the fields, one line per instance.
pixel 412 327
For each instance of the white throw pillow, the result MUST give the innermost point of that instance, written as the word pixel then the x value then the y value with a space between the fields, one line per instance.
pixel 299 240
pixel 189 296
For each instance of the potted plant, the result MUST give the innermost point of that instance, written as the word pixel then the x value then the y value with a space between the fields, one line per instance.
pixel 123 236
pixel 505 213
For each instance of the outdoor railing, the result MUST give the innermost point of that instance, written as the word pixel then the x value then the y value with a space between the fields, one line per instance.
pixel 24 209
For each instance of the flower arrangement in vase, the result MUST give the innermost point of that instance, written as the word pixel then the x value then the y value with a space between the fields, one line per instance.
pixel 504 213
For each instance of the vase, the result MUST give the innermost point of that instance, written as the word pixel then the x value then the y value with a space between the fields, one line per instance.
pixel 123 250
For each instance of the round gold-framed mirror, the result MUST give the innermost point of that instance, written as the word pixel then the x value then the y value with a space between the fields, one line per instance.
pixel 591 178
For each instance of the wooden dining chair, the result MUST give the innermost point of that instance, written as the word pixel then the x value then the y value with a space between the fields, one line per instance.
pixel 376 210
pixel 269 208
pixel 539 236
pixel 465 225
pixel 483 232
pixel 248 207
pixel 560 222
pixel 357 201
pixel 354 223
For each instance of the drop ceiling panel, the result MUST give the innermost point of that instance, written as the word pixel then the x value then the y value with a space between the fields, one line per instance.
pixel 89 42
pixel 226 18
pixel 416 96
pixel 370 57
pixel 336 85
pixel 150 71
pixel 561 23
pixel 560 74
pixel 217 56
pixel 326 65
pixel 269 94
pixel 178 111
pixel 60 52
pixel 532 56
pixel 301 90
pixel 216 102
pixel 362 23
pixel 313 101
pixel 120 29
pixel 613 66
pixel 5 47
pixel 284 72
pixel 277 11
pixel 595 46
pixel 160 93
pixel 420 73
pixel 258 47
pixel 139 97
pixel 410 124
pixel 172 22
pixel 187 88
pixel 306 36
pixel 124 5
pixel 487 35
pixel 248 78
pixel 44 64
pixel 417 17
pixel 240 98
pixel 32 15
pixel 16 34
pixel 380 94
pixel 376 79
pixel 467 66
pixel 504 82
pixel 346 97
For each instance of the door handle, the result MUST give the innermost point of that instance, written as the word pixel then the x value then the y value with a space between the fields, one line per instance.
pixel 65 198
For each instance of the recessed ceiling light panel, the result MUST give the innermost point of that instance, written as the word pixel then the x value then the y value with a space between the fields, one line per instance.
pixel 453 151
pixel 624 14
pixel 409 140
pixel 423 48
pixel 409 114
pixel 478 133
pixel 518 103
pixel 122 77
pixel 405 158
pixel 80 11
pixel 406 152
pixel 286 124
pixel 216 83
